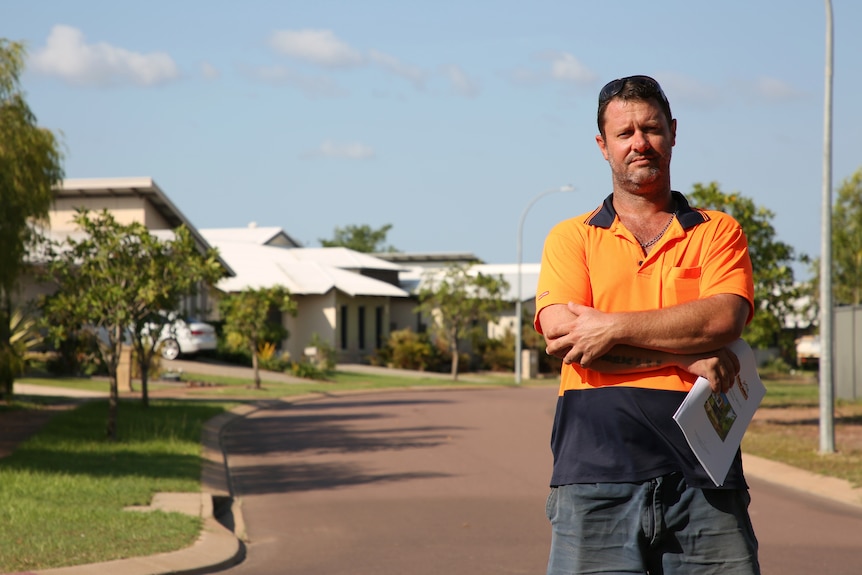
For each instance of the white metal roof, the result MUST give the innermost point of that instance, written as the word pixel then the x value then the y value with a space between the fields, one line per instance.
pixel 345 258
pixel 416 277
pixel 259 266
pixel 251 235
pixel 142 187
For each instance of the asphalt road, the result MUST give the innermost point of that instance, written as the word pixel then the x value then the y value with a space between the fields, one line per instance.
pixel 433 482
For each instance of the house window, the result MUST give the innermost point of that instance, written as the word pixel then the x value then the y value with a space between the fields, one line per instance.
pixel 362 327
pixel 343 322
pixel 378 327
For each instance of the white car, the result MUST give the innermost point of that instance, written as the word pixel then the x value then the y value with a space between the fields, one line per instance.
pixel 186 337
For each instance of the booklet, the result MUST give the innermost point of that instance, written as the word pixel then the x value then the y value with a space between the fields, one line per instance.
pixel 714 423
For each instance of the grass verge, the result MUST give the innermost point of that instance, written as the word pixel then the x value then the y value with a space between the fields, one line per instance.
pixel 62 493
pixel 787 429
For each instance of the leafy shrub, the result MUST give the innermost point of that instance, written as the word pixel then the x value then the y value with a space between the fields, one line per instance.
pixel 497 354
pixel 155 367
pixel 406 349
pixel 308 370
pixel 776 365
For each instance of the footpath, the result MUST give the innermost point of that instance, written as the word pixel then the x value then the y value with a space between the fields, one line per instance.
pixel 220 544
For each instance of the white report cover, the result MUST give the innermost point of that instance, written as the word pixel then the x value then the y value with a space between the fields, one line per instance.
pixel 714 423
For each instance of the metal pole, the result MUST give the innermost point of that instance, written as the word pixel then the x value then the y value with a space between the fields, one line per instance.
pixel 827 404
pixel 518 302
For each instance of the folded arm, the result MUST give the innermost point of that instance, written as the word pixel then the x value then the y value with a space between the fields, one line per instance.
pixel 691 336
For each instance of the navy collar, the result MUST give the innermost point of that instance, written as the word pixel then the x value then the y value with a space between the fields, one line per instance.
pixel 685 214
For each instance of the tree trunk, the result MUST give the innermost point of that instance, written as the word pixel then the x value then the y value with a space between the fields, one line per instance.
pixel 113 407
pixel 254 364
pixel 145 374
pixel 113 361
pixel 455 358
pixel 7 377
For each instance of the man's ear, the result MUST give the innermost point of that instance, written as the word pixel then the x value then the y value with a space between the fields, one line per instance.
pixel 673 132
pixel 602 146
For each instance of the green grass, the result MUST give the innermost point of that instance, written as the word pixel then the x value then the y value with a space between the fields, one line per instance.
pixel 797 444
pixel 796 441
pixel 790 391
pixel 62 492
pixel 240 388
pixel 79 383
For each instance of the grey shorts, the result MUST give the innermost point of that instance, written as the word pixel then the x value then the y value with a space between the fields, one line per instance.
pixel 658 527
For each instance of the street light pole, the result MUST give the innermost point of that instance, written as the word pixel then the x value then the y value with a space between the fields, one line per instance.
pixel 518 302
pixel 827 400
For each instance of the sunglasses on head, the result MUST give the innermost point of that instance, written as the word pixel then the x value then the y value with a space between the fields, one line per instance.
pixel 614 87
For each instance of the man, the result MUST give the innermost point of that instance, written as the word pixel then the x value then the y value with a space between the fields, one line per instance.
pixel 638 298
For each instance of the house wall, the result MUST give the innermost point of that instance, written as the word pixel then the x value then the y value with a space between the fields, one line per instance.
pixel 125 209
pixel 316 314
pixel 336 319
pixel 362 327
pixel 506 319
pixel 29 290
pixel 403 315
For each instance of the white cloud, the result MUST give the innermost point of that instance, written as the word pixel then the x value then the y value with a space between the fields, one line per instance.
pixel 323 48
pixel 393 65
pixel 209 71
pixel 350 151
pixel 67 55
pixel 555 66
pixel 461 82
pixel 567 68
pixel 319 47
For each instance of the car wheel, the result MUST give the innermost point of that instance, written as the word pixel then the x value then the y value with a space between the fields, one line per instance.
pixel 170 349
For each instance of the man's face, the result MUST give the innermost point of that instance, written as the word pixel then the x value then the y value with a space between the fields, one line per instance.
pixel 637 143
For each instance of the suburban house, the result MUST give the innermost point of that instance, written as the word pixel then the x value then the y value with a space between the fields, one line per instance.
pixel 128 200
pixel 420 268
pixel 343 296
pixel 347 299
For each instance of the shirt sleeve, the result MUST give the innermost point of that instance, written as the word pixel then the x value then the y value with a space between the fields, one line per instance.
pixel 564 275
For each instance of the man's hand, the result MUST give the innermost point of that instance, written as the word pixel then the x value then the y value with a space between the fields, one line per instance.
pixel 720 368
pixel 580 335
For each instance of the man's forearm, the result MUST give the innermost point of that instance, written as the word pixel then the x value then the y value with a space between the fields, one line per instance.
pixel 628 359
pixel 694 327
pixel 581 334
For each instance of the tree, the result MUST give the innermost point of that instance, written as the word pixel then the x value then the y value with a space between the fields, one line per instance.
pixel 248 320
pixel 847 242
pixel 168 271
pixel 30 165
pixel 774 289
pixel 113 281
pixel 460 300
pixel 361 239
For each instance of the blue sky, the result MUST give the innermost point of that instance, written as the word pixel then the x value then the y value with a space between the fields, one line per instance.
pixel 444 119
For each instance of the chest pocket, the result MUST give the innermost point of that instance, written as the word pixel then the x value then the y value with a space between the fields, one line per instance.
pixel 683 285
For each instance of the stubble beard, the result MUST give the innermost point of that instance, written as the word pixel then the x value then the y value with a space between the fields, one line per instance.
pixel 634 179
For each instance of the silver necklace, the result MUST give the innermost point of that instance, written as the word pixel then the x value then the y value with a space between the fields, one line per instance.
pixel 652 242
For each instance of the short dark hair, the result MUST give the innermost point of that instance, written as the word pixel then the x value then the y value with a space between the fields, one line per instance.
pixel 632 88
